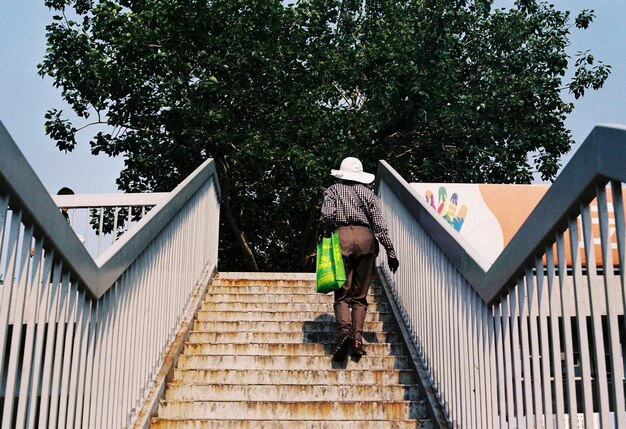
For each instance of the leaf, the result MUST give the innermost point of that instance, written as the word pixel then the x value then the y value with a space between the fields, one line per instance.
pixel 443 92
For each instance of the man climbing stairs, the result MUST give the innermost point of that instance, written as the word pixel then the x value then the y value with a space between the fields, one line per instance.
pixel 259 355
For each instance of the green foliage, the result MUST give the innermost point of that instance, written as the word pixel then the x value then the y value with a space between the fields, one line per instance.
pixel 278 94
pixel 114 220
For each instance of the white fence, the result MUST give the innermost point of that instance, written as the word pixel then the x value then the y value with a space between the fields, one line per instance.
pixel 538 339
pixel 99 220
pixel 82 341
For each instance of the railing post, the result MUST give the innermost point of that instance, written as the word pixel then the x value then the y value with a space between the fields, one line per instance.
pixel 546 317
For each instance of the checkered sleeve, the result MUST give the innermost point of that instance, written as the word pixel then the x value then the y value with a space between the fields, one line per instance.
pixel 329 210
pixel 379 227
pixel 340 208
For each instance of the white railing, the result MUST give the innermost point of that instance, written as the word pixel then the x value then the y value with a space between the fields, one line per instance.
pixel 537 339
pixel 101 219
pixel 82 342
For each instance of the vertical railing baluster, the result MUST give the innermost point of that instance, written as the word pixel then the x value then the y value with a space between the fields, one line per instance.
pixel 498 362
pixel 620 239
pixel 137 317
pixel 4 211
pixel 79 361
pixel 8 287
pixel 83 414
pixel 597 352
pixel 98 399
pixel 615 393
pixel 130 216
pixel 87 225
pixel 119 355
pixel 150 296
pixel 580 320
pixel 552 313
pixel 123 402
pixel 491 364
pixel 462 368
pixel 521 355
pixel 70 327
pixel 148 325
pixel 56 300
pixel 458 403
pixel 59 347
pixel 116 214
pixel 113 342
pixel 100 230
pixel 620 234
pixel 111 349
pixel 17 311
pixel 441 329
pixel 448 389
pixel 44 305
pixel 532 279
pixel 28 358
pixel 568 310
pixel 476 353
pixel 415 298
pixel 513 373
pixel 543 313
pixel 479 362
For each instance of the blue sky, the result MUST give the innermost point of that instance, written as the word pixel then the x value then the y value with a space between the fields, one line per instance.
pixel 25 97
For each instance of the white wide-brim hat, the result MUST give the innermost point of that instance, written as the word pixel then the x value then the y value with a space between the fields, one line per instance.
pixel 352 169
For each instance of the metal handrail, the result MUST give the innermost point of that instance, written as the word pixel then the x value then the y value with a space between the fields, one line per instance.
pixel 101 219
pixel 83 343
pixel 600 159
pixel 535 339
pixel 18 178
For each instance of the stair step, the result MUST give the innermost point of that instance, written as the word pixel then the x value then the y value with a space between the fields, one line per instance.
pixel 259 356
pixel 284 284
pixel 277 326
pixel 289 392
pixel 287 424
pixel 327 337
pixel 284 306
pixel 288 289
pixel 289 362
pixel 269 349
pixel 282 410
pixel 271 299
pixel 359 376
pixel 295 316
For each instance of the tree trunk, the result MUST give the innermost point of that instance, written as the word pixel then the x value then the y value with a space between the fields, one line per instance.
pixel 306 244
pixel 230 219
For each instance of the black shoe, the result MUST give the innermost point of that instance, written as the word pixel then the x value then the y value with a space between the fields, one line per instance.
pixel 358 349
pixel 341 349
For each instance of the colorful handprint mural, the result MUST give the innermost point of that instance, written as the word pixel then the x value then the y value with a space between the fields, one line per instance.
pixel 464 208
pixel 497 212
pixel 447 207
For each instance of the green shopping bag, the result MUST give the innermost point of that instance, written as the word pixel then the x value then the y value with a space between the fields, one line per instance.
pixel 331 274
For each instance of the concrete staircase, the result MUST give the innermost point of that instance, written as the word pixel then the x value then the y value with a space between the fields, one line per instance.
pixel 259 356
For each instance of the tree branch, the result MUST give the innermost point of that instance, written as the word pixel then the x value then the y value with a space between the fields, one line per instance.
pixel 230 219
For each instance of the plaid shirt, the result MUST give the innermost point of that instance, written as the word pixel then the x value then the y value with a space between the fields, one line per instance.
pixel 341 209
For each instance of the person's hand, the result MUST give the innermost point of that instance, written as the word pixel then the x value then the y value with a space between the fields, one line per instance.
pixel 393 264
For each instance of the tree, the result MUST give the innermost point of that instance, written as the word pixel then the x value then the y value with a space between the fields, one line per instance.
pixel 279 94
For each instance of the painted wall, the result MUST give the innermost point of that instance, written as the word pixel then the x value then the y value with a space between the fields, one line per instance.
pixel 489 215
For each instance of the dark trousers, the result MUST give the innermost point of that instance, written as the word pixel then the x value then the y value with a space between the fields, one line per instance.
pixel 359 249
